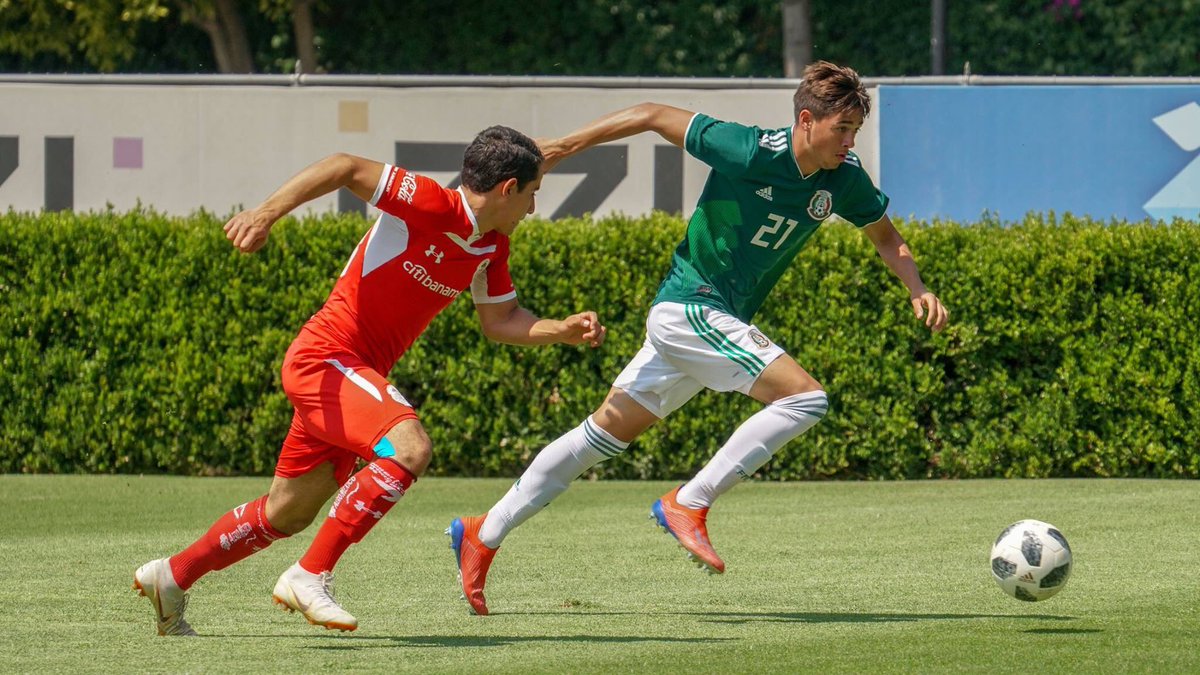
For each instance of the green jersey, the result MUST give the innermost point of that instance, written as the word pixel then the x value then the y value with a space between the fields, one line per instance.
pixel 755 214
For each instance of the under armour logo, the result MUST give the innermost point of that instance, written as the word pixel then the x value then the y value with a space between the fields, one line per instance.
pixel 360 506
pixel 435 254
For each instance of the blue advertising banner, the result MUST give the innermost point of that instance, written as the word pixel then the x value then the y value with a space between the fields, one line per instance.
pixel 1123 151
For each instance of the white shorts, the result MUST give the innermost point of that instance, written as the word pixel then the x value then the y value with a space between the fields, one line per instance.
pixel 690 347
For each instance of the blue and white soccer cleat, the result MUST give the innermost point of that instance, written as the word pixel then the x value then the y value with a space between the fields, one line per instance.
pixel 474 559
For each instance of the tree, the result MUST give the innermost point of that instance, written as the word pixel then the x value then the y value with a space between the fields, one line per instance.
pixel 101 32
pixel 112 35
pixel 298 14
pixel 937 37
pixel 797 37
pixel 305 34
pixel 221 21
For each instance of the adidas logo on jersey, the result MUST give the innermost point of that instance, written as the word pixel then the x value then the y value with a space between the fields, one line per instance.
pixel 765 193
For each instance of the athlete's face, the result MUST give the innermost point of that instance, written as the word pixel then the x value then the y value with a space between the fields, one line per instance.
pixel 825 142
pixel 518 204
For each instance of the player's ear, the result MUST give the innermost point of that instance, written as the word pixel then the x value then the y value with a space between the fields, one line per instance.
pixel 509 187
pixel 805 119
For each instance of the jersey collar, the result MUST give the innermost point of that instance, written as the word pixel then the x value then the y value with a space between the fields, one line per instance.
pixel 792 152
pixel 475 234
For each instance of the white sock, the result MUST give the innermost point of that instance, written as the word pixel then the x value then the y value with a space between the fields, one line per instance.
pixel 548 476
pixel 752 445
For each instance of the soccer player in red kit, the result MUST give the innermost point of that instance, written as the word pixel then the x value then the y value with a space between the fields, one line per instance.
pixel 429 244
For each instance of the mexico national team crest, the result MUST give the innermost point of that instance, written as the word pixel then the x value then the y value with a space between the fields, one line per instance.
pixel 821 205
pixel 760 339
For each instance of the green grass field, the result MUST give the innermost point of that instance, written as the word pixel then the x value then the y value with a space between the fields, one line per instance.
pixel 822 577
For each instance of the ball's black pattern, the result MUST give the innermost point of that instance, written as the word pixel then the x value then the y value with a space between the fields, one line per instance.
pixel 1056 576
pixel 1058 536
pixel 1031 548
pixel 1004 533
pixel 1002 568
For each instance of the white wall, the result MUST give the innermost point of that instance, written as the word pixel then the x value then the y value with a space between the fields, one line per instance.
pixel 218 146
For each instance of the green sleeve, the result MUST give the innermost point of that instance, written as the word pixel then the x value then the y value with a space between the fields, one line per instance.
pixel 863 203
pixel 728 147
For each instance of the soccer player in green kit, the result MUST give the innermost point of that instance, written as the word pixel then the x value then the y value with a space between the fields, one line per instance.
pixel 768 191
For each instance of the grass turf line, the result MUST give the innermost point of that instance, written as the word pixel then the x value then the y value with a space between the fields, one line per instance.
pixel 822 577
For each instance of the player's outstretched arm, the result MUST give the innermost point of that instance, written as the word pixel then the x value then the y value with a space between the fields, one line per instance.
pixel 248 230
pixel 667 121
pixel 511 324
pixel 897 256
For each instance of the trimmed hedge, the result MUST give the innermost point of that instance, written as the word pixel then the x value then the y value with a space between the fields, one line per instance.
pixel 138 342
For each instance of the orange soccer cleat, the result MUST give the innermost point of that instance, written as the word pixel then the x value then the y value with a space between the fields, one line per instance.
pixel 474 559
pixel 689 529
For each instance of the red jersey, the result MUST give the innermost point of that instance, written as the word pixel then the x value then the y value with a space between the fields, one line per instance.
pixel 423 251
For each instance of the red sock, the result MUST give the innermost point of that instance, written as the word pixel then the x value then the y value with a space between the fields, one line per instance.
pixel 362 501
pixel 236 535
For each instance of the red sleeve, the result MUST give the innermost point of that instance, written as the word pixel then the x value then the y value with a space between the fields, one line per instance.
pixel 401 193
pixel 492 283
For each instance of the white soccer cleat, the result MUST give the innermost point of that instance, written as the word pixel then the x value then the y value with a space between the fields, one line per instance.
pixel 299 590
pixel 155 581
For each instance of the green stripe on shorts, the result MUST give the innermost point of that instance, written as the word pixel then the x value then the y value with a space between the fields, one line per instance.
pixel 721 342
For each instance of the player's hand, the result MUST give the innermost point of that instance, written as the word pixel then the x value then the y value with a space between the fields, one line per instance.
pixel 583 328
pixel 248 230
pixel 927 306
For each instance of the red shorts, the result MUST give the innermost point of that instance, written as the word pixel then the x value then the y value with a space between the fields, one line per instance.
pixel 343 408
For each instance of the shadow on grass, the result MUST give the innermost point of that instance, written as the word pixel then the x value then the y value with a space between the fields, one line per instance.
pixel 351 642
pixel 1063 631
pixel 856 617
pixel 494 640
pixel 798 617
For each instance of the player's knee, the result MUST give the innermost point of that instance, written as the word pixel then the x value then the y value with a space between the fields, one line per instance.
pixel 291 516
pixel 623 417
pixel 807 384
pixel 805 407
pixel 294 525
pixel 408 445
pixel 294 502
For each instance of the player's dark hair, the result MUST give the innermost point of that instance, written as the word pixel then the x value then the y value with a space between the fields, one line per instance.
pixel 497 154
pixel 828 89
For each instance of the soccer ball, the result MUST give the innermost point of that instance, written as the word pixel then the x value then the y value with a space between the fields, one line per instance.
pixel 1031 560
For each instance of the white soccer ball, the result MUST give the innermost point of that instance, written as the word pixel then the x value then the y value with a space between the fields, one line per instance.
pixel 1031 560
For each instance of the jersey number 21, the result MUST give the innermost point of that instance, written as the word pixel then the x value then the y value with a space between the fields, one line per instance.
pixel 771 229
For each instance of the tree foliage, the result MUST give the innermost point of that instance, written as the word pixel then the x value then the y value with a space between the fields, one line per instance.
pixel 739 38
pixel 99 33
